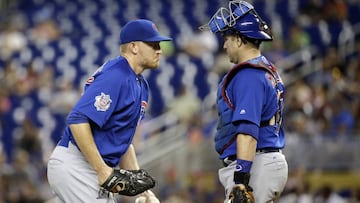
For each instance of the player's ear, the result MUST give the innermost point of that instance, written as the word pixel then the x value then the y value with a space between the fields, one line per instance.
pixel 238 40
pixel 132 47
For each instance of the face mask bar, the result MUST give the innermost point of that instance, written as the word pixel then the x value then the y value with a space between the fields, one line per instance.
pixel 238 9
pixel 225 19
pixel 219 22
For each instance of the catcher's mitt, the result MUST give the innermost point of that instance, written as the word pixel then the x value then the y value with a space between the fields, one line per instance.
pixel 131 182
pixel 241 194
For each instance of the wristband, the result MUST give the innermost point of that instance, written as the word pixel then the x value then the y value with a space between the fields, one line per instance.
pixel 243 165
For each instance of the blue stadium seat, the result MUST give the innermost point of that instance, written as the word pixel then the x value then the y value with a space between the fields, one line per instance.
pixel 90 30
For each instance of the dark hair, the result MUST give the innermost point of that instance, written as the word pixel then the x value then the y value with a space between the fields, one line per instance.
pixel 255 42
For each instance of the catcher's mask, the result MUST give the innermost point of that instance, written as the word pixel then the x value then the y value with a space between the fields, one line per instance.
pixel 240 17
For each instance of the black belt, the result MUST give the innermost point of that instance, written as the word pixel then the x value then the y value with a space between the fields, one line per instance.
pixel 232 158
pixel 268 150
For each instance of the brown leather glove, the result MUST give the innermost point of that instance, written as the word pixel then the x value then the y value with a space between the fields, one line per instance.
pixel 240 194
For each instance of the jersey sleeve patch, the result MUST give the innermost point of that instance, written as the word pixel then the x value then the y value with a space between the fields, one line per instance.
pixel 102 102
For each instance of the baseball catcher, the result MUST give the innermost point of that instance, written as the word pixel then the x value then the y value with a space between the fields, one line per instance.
pixel 250 100
pixel 130 182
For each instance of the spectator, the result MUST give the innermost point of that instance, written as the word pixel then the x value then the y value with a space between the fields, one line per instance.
pixel 342 122
pixel 12 37
pixel 185 106
pixel 328 195
pixel 298 38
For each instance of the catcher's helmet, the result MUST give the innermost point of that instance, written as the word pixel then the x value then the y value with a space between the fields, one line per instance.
pixel 241 18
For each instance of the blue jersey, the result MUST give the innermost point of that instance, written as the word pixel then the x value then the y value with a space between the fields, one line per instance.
pixel 114 101
pixel 250 99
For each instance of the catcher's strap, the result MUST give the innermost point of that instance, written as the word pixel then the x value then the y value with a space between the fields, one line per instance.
pixel 131 182
pixel 240 194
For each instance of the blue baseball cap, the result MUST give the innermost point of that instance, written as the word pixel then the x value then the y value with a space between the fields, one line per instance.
pixel 141 30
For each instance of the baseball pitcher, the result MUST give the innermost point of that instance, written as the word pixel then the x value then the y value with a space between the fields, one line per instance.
pixel 95 157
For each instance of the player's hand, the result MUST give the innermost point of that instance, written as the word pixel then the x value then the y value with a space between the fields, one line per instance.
pixel 128 182
pixel 147 197
pixel 241 194
pixel 104 174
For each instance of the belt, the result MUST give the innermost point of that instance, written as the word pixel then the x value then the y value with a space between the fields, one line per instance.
pixel 232 158
pixel 268 150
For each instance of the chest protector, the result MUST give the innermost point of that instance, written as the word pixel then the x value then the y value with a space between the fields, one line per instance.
pixel 226 131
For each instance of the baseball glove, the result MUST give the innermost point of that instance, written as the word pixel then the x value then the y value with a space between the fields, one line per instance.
pixel 241 194
pixel 131 182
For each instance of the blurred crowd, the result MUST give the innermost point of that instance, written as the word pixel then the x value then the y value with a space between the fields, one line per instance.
pixel 323 104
